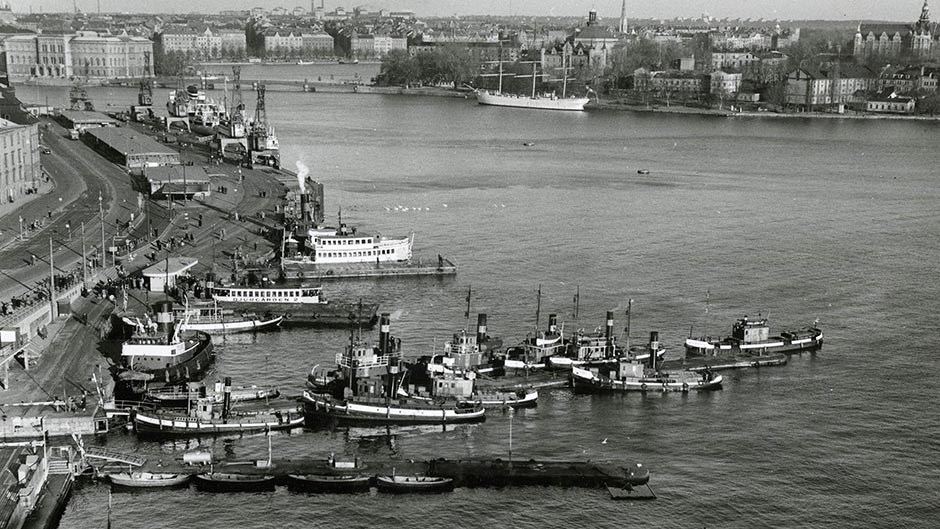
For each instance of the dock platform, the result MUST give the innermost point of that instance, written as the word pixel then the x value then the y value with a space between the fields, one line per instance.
pixel 629 493
pixel 443 268
pixel 718 363
pixel 464 472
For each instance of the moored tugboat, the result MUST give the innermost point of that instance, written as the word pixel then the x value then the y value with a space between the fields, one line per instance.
pixel 367 388
pixel 630 376
pixel 750 336
pixel 203 418
pixel 160 354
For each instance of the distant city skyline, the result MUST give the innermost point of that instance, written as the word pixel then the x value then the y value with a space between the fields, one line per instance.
pixel 905 10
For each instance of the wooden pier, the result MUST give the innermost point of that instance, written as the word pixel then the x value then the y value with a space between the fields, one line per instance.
pixel 444 267
pixel 464 472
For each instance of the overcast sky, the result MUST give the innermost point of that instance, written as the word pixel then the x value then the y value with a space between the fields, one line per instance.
pixel 900 10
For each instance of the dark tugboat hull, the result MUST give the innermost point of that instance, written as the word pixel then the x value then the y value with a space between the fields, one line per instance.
pixel 219 482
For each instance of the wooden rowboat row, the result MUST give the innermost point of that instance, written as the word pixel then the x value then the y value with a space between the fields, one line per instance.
pixel 228 482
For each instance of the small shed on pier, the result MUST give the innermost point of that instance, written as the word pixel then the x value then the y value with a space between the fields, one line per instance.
pixel 164 274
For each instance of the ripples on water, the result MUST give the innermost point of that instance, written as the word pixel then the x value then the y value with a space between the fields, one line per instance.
pixel 796 219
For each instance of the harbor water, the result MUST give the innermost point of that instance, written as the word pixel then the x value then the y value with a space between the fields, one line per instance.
pixel 792 219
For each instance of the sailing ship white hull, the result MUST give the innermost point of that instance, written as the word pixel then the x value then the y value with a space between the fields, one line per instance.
pixel 542 103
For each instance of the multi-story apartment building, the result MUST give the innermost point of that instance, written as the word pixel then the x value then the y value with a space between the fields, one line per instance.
pixel 234 42
pixel 19 159
pixel 909 80
pixel 724 84
pixel 732 59
pixel 204 42
pixel 283 42
pixel 828 85
pixel 317 43
pixel 372 45
pixel 83 54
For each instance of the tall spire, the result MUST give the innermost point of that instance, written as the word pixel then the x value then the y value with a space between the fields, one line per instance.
pixel 623 18
pixel 924 21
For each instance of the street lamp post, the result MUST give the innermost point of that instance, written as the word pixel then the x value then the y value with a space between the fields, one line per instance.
pixel 101 217
pixel 22 235
pixel 84 259
pixel 68 227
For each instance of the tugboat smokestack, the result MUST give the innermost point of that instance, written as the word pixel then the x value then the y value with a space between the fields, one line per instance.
pixel 609 335
pixel 384 345
pixel 163 315
pixel 481 328
pixel 226 398
pixel 552 323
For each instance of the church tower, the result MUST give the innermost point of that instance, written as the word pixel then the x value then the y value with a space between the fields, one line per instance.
pixel 623 18
pixel 921 38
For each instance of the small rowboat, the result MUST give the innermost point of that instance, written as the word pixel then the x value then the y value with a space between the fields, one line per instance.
pixel 413 484
pixel 224 482
pixel 147 480
pixel 328 483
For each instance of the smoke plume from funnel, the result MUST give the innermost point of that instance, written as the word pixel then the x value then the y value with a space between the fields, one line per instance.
pixel 302 171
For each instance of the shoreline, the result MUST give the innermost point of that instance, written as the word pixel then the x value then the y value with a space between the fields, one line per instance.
pixel 346 86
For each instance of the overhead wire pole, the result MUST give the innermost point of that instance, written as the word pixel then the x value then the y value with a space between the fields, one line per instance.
pixel 84 260
pixel 101 216
pixel 52 314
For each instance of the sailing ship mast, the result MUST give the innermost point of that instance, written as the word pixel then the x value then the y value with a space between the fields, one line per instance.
pixel 534 66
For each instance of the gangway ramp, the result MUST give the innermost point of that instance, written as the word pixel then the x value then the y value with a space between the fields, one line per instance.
pixel 94 452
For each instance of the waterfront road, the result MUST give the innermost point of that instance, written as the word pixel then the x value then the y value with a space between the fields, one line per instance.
pixel 81 175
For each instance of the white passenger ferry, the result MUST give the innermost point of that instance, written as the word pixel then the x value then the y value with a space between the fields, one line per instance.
pixel 329 246
pixel 285 295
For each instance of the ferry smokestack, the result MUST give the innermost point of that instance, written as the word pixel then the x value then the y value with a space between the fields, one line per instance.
pixel 303 207
pixel 163 316
pixel 481 329
pixel 384 345
pixel 552 323
pixel 654 346
pixel 609 335
pixel 226 398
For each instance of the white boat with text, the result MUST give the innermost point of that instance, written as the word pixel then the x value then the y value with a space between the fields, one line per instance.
pixel 332 246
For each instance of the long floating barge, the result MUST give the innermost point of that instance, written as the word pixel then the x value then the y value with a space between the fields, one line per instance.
pixel 464 472
pixel 718 363
pixel 443 268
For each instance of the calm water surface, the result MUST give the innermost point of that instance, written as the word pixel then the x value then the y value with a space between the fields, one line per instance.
pixel 793 219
